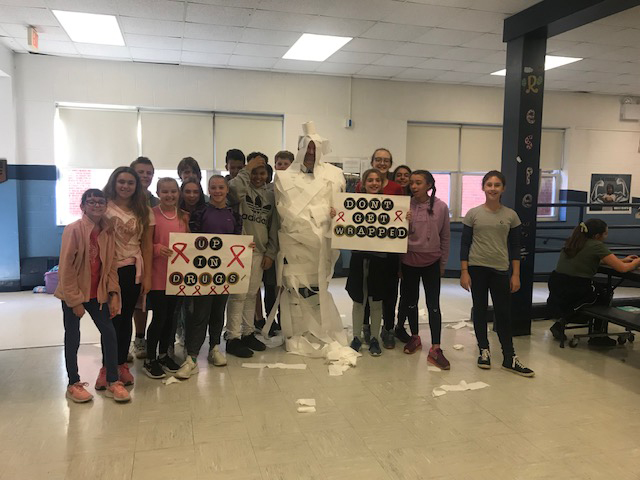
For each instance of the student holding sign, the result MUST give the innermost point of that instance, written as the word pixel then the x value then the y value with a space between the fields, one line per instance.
pixel 490 243
pixel 208 310
pixel 426 258
pixel 169 218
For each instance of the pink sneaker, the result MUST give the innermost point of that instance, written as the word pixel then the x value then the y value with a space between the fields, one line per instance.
pixel 117 391
pixel 437 358
pixel 124 375
pixel 413 344
pixel 101 382
pixel 78 394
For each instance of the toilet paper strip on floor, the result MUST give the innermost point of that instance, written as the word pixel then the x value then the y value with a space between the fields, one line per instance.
pixel 460 387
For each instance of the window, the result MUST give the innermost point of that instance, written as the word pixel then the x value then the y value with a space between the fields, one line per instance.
pixel 443 187
pixel 472 194
pixel 548 193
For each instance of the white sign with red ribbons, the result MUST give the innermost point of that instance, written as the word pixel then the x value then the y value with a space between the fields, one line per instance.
pixel 208 264
pixel 374 223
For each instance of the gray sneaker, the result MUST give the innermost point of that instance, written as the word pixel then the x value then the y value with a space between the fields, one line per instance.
pixel 140 347
pixel 388 339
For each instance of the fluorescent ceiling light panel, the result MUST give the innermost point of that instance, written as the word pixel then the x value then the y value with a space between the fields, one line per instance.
pixel 90 27
pixel 316 48
pixel 550 61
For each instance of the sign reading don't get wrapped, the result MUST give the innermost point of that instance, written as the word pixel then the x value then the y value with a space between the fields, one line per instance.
pixel 375 223
pixel 208 264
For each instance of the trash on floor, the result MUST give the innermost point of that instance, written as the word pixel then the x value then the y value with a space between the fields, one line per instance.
pixel 460 387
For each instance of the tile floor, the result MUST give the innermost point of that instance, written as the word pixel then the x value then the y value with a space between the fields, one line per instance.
pixel 579 418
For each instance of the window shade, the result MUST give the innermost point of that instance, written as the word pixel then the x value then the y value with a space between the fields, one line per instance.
pixel 432 147
pixel 551 149
pixel 169 137
pixel 480 149
pixel 249 134
pixel 96 138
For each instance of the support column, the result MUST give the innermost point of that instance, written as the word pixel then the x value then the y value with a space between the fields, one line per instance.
pixel 522 131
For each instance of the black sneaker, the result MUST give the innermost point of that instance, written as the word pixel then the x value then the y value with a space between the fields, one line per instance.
pixel 602 342
pixel 253 343
pixel 401 334
pixel 388 340
pixel 259 324
pixel 168 364
pixel 557 330
pixel 515 365
pixel 366 333
pixel 356 344
pixel 374 347
pixel 153 369
pixel 239 349
pixel 484 360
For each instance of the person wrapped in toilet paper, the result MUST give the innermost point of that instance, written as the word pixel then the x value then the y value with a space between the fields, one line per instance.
pixel 304 194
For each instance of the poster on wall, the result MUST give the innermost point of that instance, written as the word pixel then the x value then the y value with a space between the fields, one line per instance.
pixel 208 264
pixel 608 190
pixel 374 223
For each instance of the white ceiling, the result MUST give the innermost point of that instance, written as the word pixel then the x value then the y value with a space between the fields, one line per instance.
pixel 444 41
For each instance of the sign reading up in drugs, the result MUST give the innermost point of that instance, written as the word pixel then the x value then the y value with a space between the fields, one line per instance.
pixel 375 223
pixel 208 264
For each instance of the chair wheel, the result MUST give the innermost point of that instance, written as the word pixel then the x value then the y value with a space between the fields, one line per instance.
pixel 622 340
pixel 632 337
pixel 573 343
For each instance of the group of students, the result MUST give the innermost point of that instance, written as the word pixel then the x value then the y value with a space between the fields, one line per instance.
pixel 113 261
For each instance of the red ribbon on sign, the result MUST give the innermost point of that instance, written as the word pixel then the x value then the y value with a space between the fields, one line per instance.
pixel 225 289
pixel 179 248
pixel 181 288
pixel 236 255
pixel 398 215
pixel 197 290
pixel 340 217
pixel 213 290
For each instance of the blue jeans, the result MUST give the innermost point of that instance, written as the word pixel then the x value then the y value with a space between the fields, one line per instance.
pixel 100 315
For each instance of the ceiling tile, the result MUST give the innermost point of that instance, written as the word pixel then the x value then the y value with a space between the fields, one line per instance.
pixel 295 65
pixel 499 58
pixel 251 62
pixel 420 50
pixel 490 41
pixel 207 32
pixel 58 47
pixel 479 67
pixel 216 15
pixel 105 7
pixel 395 32
pixel 554 44
pixel 143 26
pixel 489 80
pixel 269 37
pixel 15 30
pixel 584 50
pixel 207 46
pixel 27 16
pixel 293 22
pixel 623 54
pixel 24 3
pixel 462 53
pixel 339 68
pixel 155 9
pixel 626 79
pixel 361 58
pixel 371 46
pixel 589 32
pixel 199 58
pixel 253 50
pixel 153 41
pixel 379 71
pixel 475 21
pixel 230 3
pixel 627 18
pixel 398 61
pixel 312 7
pixel 359 9
pixel 456 77
pixel 153 55
pixel 628 37
pixel 418 74
pixel 440 64
pixel 103 51
pixel 443 36
pixel 503 6
pixel 423 15
pixel 344 27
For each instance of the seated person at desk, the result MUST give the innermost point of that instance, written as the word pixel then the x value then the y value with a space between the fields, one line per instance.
pixel 571 283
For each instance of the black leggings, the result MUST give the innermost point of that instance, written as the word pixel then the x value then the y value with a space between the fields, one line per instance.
pixel 129 293
pixel 483 281
pixel 161 331
pixel 410 292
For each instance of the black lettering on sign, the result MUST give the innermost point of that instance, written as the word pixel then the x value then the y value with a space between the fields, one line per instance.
pixel 387 204
pixel 175 278
pixel 219 278
pixel 358 217
pixel 402 232
pixel 205 278
pixel 349 203
pixel 384 218
pixel 190 279
pixel 382 232
pixel 201 243
pixel 338 230
pixel 374 204
pixel 361 231
pixel 392 232
pixel 215 243
pixel 362 203
pixel 371 217
pixel 233 278
pixel 371 232
pixel 350 230
pixel 199 262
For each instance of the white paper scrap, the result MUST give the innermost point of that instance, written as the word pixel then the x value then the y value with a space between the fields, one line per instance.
pixel 437 392
pixel 306 402
pixel 170 380
pixel 431 368
pixel 283 366
pixel 459 325
pixel 336 370
pixel 303 409
pixel 458 346
pixel 460 387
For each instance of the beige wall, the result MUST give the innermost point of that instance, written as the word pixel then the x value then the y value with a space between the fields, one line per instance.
pixel 7 106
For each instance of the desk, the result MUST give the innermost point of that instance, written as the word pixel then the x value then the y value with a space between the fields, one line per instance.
pixel 632 276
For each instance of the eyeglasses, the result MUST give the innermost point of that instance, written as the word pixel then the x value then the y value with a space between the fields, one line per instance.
pixel 96 203
pixel 382 160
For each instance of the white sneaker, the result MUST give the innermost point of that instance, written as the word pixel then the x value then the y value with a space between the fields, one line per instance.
pixel 217 357
pixel 188 368
pixel 140 348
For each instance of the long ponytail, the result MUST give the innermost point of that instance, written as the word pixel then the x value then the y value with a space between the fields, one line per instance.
pixel 428 178
pixel 583 232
